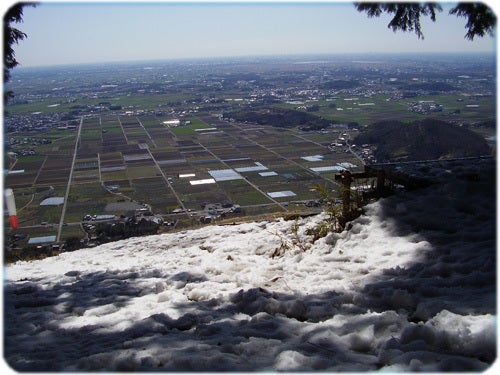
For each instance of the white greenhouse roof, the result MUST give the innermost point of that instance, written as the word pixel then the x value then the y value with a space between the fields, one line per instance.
pixel 313 158
pixel 268 174
pixel 330 168
pixel 40 240
pixel 53 201
pixel 225 175
pixel 347 165
pixel 281 194
pixel 202 182
pixel 258 167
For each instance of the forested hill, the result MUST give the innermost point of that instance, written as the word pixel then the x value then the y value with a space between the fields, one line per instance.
pixel 422 140
pixel 278 117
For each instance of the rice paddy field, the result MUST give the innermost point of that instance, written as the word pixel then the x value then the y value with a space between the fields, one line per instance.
pixel 170 168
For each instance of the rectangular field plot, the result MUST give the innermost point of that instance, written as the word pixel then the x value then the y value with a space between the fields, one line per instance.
pixel 189 129
pixel 111 129
pixel 142 170
pixel 150 122
pixel 292 172
pixel 256 167
pixel 87 163
pixel 175 168
pixel 129 122
pixel 112 132
pixel 240 192
pixel 87 198
pixel 111 175
pixel 226 153
pixel 269 177
pixel 196 153
pixel 90 148
pixel 302 190
pixel 165 154
pixel 194 196
pixel 207 164
pixel 293 153
pixel 71 231
pixel 87 193
pixel 86 170
pixel 53 176
pixel 110 156
pixel 134 132
pixel 54 170
pixel 137 156
pixel 25 179
pixel 119 186
pixel 47 214
pixel 213 139
pixel 30 163
pixel 162 138
pixel 113 142
pixel 57 162
pixel 256 152
pixel 79 205
pixel 91 136
pixel 155 192
pixel 84 176
pixel 29 210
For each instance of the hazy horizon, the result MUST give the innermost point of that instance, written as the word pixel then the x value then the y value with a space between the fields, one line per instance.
pixel 66 33
pixel 316 58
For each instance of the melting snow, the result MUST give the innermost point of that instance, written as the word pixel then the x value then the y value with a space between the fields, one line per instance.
pixel 411 286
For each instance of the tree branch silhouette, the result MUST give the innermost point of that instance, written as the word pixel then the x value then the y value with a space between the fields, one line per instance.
pixel 481 20
pixel 11 37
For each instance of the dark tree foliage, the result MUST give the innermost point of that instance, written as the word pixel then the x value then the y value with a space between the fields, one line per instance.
pixel 480 18
pixel 11 36
pixel 278 117
pixel 406 15
pixel 422 140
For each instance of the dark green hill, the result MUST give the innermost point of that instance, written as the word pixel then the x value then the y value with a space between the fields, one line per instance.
pixel 422 140
pixel 279 117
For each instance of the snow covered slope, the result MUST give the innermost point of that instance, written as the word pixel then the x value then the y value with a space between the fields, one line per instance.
pixel 411 286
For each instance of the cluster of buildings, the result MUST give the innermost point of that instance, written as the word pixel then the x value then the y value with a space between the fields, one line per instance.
pixel 23 146
pixel 214 211
pixel 97 228
pixel 365 152
pixel 424 107
pixel 35 122
pixel 29 141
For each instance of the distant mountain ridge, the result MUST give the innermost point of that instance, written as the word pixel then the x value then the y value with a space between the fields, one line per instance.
pixel 422 140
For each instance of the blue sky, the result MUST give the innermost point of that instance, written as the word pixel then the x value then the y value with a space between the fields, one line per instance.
pixel 70 32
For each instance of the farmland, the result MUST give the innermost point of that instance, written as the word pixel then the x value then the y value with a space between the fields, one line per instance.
pixel 147 164
pixel 182 145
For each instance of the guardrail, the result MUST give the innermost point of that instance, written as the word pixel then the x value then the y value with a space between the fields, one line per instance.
pixel 389 171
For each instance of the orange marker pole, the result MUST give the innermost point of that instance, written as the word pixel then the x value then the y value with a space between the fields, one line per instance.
pixel 11 208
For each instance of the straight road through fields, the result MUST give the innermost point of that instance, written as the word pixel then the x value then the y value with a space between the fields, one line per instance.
pixel 66 195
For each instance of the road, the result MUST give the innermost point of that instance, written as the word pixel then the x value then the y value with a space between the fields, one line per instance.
pixel 179 200
pixel 247 180
pixel 181 203
pixel 68 186
pixel 250 139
